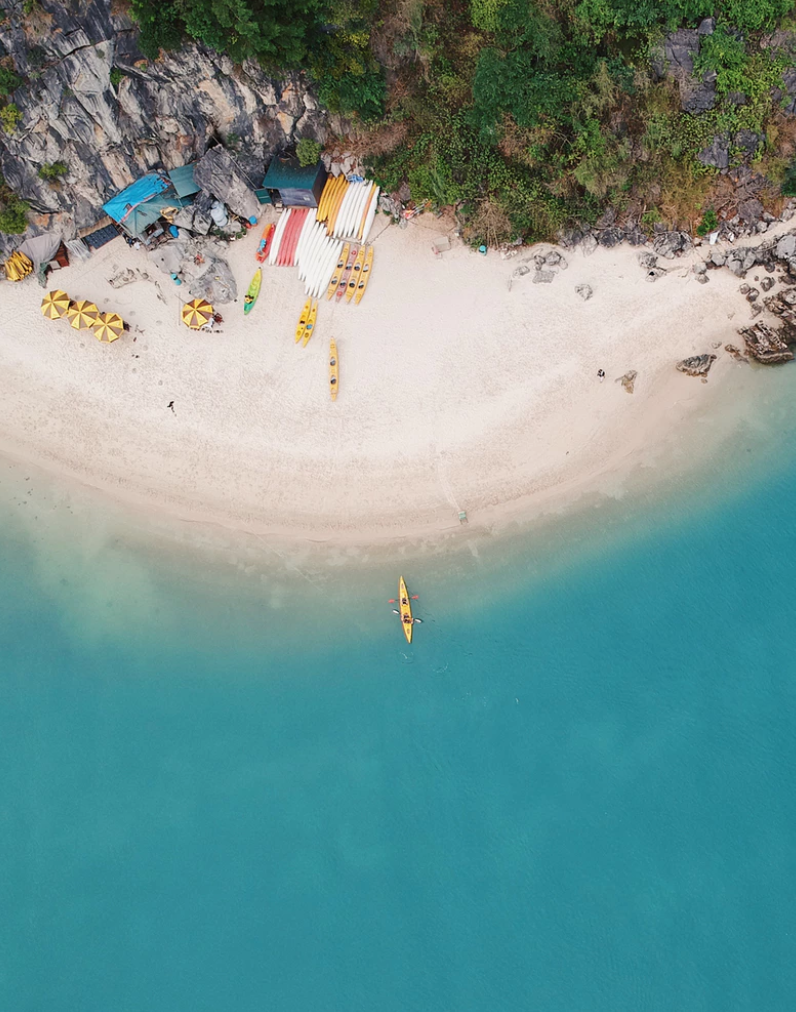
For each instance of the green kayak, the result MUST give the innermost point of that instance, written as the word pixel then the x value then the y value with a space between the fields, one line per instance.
pixel 253 292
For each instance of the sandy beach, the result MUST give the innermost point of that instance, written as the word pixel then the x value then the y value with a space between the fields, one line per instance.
pixel 460 389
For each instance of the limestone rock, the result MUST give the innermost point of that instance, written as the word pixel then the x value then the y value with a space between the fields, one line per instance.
pixel 162 114
pixel 765 344
pixel 786 247
pixel 717 154
pixel 589 244
pixel 697 365
pixel 610 237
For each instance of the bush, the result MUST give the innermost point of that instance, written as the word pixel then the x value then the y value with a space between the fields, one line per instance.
pixel 709 223
pixel 12 211
pixel 117 76
pixel 308 151
pixel 10 117
pixel 51 171
pixel 8 81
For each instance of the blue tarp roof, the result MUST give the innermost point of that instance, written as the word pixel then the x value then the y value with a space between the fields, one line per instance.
pixel 148 213
pixel 183 180
pixel 137 193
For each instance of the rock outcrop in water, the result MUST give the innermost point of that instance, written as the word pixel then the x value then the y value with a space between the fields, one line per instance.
pixel 109 128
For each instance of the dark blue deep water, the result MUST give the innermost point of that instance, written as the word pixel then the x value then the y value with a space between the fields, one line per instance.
pixel 574 793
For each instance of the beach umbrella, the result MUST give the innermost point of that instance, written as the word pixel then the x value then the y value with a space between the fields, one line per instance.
pixel 109 327
pixel 83 314
pixel 55 305
pixel 196 314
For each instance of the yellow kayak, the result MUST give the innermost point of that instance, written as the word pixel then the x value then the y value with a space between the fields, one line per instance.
pixel 310 323
pixel 334 370
pixel 364 276
pixel 302 324
pixel 356 271
pixel 405 604
pixel 338 271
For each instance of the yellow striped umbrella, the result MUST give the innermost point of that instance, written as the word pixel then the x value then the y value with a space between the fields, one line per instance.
pixel 83 314
pixel 109 327
pixel 196 314
pixel 55 305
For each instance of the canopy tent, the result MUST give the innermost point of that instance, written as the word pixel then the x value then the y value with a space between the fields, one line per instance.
pixel 83 314
pixel 41 249
pixel 127 200
pixel 109 327
pixel 55 305
pixel 196 314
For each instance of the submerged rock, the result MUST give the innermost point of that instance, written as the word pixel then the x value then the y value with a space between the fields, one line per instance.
pixel 735 353
pixel 628 381
pixel 543 277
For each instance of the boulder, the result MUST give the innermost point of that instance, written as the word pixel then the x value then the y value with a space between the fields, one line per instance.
pixel 675 56
pixel 767 284
pixel 670 243
pixel 697 365
pixel 717 154
pixel 584 291
pixel 747 141
pixel 750 210
pixel 718 257
pixel 610 237
pixel 647 260
pixel 589 244
pixel 786 247
pixel 765 344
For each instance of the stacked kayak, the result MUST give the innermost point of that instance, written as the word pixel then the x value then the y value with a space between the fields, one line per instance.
pixel 348 209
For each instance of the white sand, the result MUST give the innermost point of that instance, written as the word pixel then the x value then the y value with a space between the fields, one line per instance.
pixel 455 391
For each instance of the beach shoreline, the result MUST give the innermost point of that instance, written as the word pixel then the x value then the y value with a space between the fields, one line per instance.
pixel 462 388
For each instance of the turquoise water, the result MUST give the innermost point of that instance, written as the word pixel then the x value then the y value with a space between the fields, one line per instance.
pixel 587 803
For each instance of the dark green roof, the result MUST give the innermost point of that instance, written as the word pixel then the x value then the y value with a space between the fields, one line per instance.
pixel 287 174
pixel 183 180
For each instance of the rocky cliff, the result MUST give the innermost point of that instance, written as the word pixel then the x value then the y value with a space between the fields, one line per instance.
pixel 91 101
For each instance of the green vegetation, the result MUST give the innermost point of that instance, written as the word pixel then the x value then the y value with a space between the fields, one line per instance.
pixel 9 117
pixel 9 81
pixel 308 151
pixel 51 171
pixel 527 115
pixel 117 76
pixel 709 223
pixel 12 211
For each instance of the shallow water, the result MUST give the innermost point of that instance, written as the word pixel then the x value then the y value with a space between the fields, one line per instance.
pixel 574 791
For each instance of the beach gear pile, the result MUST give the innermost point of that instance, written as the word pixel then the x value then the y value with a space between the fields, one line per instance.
pixel 82 315
pixel 18 266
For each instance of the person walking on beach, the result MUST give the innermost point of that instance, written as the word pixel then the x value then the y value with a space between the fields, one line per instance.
pixel 601 374
pixel 171 405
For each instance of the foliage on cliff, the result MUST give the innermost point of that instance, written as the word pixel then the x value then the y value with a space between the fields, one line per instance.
pixel 531 113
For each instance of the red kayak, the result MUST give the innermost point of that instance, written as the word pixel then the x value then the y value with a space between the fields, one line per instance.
pixel 262 249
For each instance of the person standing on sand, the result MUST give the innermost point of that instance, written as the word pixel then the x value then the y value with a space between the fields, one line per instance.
pixel 601 374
